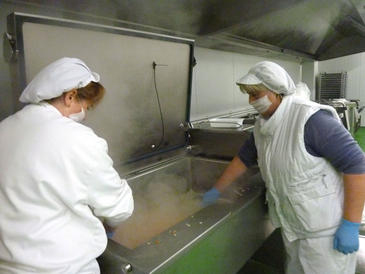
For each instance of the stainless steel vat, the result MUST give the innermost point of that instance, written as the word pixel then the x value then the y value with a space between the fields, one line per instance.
pixel 215 239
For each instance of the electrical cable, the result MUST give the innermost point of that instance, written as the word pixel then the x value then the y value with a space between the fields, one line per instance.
pixel 159 107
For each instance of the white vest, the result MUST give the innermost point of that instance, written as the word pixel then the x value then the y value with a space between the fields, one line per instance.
pixel 304 192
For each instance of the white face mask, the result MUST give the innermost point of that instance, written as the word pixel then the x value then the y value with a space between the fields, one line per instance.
pixel 78 117
pixel 262 104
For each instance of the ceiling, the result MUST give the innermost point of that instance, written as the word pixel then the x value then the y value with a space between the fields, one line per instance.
pixel 305 29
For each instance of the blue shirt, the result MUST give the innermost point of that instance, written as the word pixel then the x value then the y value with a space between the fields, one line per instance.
pixel 324 137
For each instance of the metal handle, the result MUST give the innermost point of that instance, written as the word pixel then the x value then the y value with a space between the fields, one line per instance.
pixel 185 126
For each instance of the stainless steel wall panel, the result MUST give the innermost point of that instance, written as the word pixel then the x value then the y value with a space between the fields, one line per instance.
pixel 129 116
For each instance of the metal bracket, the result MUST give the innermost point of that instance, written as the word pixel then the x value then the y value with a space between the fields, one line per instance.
pixel 9 44
pixel 185 126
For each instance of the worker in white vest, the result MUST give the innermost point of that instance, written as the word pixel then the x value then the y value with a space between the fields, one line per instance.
pixel 313 169
pixel 57 181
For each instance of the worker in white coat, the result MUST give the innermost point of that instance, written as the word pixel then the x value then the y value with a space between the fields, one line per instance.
pixel 57 181
pixel 313 169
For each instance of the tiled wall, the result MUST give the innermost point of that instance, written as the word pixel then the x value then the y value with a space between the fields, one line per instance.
pixel 214 91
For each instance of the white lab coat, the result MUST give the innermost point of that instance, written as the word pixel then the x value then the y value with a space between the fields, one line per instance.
pixel 55 178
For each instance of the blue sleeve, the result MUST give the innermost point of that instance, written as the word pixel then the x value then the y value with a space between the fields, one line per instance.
pixel 326 137
pixel 248 152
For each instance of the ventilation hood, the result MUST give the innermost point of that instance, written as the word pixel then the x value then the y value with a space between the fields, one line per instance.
pixel 306 29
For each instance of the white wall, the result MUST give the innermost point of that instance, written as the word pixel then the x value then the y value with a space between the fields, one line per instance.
pixel 354 65
pixel 309 72
pixel 214 91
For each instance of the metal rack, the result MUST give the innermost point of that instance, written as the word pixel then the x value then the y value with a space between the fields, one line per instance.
pixel 332 85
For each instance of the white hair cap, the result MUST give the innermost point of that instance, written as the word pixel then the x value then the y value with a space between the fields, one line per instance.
pixel 58 77
pixel 271 75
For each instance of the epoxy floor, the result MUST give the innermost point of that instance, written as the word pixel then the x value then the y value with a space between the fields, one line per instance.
pixel 268 259
pixel 360 137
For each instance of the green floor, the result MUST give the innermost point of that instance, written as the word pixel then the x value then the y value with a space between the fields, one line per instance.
pixel 269 259
pixel 360 137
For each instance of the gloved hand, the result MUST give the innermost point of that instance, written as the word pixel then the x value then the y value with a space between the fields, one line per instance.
pixel 347 237
pixel 211 196
pixel 109 230
pixel 110 234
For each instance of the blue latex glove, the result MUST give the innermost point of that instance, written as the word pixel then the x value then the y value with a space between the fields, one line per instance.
pixel 347 237
pixel 110 234
pixel 211 196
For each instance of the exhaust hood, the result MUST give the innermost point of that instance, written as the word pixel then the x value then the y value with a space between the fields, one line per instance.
pixel 304 29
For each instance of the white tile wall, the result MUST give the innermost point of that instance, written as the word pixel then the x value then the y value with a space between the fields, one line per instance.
pixel 309 71
pixel 214 91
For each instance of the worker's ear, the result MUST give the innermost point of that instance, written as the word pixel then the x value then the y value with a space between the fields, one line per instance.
pixel 69 97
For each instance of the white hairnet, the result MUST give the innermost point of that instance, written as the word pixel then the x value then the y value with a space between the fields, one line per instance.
pixel 58 77
pixel 271 75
